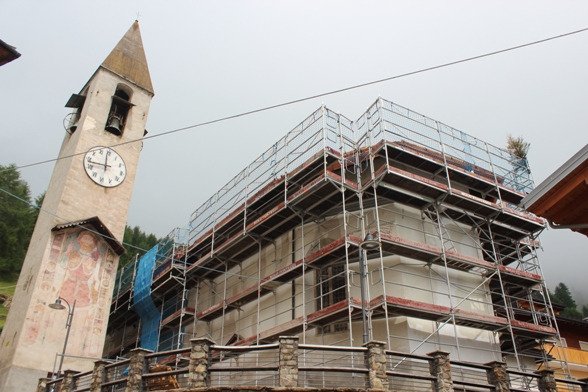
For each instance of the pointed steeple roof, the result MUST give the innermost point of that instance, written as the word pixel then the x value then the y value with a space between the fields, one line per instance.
pixel 127 59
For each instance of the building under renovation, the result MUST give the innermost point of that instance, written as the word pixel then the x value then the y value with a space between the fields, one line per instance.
pixel 394 227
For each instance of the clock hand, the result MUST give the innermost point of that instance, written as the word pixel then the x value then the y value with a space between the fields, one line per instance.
pixel 98 163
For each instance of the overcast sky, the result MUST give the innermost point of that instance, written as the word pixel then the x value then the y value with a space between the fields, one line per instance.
pixel 209 60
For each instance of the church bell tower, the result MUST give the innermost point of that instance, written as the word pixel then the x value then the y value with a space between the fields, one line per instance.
pixel 74 250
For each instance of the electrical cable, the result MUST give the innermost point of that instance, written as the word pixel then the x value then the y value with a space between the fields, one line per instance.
pixel 287 103
pixel 106 236
pixel 340 90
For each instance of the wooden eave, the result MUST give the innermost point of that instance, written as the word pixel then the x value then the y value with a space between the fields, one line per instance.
pixel 99 228
pixel 566 203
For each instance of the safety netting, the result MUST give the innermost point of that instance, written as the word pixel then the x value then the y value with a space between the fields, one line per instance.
pixel 143 303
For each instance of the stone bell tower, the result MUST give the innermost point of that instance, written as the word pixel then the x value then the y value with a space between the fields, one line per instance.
pixel 76 243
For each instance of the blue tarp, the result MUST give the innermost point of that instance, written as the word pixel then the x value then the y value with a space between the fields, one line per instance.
pixel 143 303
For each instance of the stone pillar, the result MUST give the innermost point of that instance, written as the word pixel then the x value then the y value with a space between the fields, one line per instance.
pixel 42 386
pixel 585 386
pixel 136 370
pixel 377 364
pixel 440 368
pixel 98 376
pixel 68 383
pixel 198 376
pixel 288 362
pixel 498 376
pixel 546 381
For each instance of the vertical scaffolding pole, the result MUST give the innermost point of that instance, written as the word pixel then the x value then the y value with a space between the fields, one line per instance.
pixel 507 308
pixel 257 331
pixel 371 165
pixel 553 319
pixel 303 279
pixel 440 228
pixel 196 299
pixel 342 188
pixel 222 335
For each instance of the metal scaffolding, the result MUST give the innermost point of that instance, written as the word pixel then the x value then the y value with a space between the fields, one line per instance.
pixel 394 227
pixel 150 310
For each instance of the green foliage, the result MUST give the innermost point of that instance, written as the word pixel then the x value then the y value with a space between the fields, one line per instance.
pixel 563 296
pixel 17 220
pixel 6 291
pixel 137 238
pixel 585 311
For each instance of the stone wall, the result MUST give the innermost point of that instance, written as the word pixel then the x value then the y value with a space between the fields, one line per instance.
pixel 377 370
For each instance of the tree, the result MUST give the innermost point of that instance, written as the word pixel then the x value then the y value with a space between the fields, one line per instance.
pixel 517 146
pixel 17 220
pixel 139 241
pixel 563 296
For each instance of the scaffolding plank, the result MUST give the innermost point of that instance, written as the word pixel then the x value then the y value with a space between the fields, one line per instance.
pixel 419 201
pixel 320 317
pixel 395 244
pixel 517 276
pixel 532 330
pixel 433 254
pixel 271 224
pixel 432 189
pixel 332 251
pixel 172 279
pixel 333 312
pixel 294 180
pixel 312 166
pixel 121 300
pixel 423 310
pixel 478 178
pixel 174 318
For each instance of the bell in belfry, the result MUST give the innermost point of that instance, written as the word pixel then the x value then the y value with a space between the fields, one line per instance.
pixel 114 125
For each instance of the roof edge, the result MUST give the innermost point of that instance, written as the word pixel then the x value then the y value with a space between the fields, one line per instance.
pixel 100 229
pixel 554 178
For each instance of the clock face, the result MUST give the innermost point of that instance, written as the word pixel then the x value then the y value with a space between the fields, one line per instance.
pixel 105 167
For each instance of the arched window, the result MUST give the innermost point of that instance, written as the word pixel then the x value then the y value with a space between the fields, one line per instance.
pixel 119 110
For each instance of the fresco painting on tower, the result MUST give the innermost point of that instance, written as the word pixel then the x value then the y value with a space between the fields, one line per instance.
pixel 85 264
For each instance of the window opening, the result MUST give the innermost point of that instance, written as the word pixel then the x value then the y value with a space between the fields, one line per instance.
pixel 330 290
pixel 119 109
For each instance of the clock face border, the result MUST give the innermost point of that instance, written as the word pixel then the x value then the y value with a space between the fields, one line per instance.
pixel 97 159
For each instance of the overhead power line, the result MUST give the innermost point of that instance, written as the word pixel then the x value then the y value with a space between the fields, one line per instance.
pixel 106 237
pixel 287 103
pixel 324 94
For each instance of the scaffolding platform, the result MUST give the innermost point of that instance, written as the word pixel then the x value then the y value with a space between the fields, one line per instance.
pixel 397 245
pixel 332 313
pixel 317 196
pixel 434 190
pixel 276 189
pixel 180 316
pixel 335 250
pixel 483 180
pixel 121 301
pixel 398 306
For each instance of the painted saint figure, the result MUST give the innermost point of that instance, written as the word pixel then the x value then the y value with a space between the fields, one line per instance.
pixel 81 257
